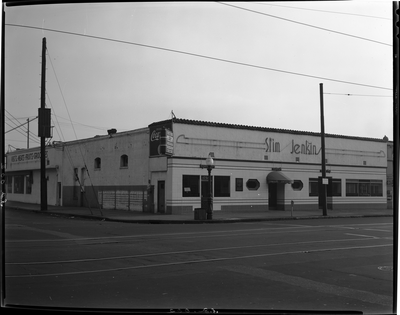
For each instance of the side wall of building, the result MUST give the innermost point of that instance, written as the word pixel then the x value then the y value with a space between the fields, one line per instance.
pixel 106 167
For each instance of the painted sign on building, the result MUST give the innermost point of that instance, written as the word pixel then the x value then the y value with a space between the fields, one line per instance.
pixel 26 157
pixel 161 139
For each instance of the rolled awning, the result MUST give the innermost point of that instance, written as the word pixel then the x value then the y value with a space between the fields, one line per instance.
pixel 278 177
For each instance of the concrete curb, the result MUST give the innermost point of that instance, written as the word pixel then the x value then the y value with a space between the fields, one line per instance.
pixel 185 221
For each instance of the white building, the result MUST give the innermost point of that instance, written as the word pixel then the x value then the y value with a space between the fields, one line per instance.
pixel 157 169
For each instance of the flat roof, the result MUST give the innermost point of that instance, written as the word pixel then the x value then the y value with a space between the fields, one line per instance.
pixel 267 129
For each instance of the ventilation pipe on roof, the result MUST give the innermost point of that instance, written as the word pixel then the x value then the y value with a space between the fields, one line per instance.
pixel 111 132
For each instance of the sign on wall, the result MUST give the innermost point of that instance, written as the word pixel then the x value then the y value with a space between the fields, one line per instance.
pixel 161 140
pixel 26 157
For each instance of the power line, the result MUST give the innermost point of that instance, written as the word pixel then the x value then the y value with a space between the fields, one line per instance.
pixel 21 132
pixel 201 56
pixel 305 24
pixel 348 94
pixel 78 123
pixel 326 11
pixel 20 125
pixel 79 145
pixel 62 95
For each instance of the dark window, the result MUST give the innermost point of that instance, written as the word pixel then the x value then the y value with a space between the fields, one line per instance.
pixel 19 184
pixel 239 184
pixel 9 184
pixel 124 161
pixel 97 163
pixel 313 187
pixel 376 188
pixel 364 188
pixel 252 184
pixel 191 186
pixel 351 187
pixel 222 186
pixel 297 185
pixel 336 187
pixel 29 181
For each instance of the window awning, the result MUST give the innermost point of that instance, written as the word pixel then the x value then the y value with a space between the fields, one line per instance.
pixel 278 177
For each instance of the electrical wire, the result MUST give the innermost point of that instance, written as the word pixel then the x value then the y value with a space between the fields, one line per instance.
pixel 79 145
pixel 20 125
pixel 16 126
pixel 78 123
pixel 326 11
pixel 201 56
pixel 348 94
pixel 305 24
pixel 22 133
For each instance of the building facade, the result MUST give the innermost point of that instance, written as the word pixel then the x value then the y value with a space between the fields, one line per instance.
pixel 158 169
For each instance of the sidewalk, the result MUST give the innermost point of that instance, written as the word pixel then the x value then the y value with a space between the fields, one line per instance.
pixel 188 218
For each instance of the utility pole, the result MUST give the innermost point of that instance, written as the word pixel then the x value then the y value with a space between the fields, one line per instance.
pixel 27 138
pixel 323 161
pixel 42 132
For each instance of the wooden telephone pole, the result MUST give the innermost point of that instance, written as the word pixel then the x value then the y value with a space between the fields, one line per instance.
pixel 42 132
pixel 323 193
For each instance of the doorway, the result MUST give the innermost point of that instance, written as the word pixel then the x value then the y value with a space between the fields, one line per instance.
pixel 272 196
pixel 161 196
pixel 276 196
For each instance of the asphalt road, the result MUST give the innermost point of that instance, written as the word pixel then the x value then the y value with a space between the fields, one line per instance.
pixel 319 264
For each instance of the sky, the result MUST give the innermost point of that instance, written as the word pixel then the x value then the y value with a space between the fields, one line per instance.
pixel 127 65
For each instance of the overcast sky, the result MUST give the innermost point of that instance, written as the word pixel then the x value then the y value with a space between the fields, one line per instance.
pixel 127 65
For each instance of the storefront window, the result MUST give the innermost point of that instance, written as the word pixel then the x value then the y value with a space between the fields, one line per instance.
pixel 19 184
pixel 376 188
pixel 362 187
pixel 9 184
pixel 313 187
pixel 351 187
pixel 336 187
pixel 222 186
pixel 190 186
pixel 29 180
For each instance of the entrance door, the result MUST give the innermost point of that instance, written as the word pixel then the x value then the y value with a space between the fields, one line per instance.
pixel 161 196
pixel 272 196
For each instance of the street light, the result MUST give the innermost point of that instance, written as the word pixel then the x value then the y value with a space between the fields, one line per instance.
pixel 209 166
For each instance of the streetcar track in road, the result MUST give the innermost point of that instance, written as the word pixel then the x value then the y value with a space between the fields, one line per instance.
pixel 185 234
pixel 207 260
pixel 186 251
pixel 202 234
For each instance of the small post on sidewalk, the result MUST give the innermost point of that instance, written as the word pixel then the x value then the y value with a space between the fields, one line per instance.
pixel 292 205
